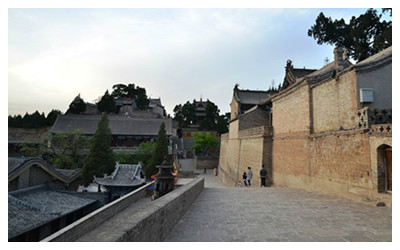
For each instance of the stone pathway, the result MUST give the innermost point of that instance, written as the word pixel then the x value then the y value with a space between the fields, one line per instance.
pixel 223 214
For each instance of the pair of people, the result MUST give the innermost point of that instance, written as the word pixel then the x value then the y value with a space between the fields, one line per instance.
pixel 247 177
pixel 249 174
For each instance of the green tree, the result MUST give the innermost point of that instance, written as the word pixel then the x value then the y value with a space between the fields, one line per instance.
pixel 107 103
pixel 142 101
pixel 185 114
pixel 222 124
pixel 77 106
pixel 52 116
pixel 363 36
pixel 160 152
pixel 134 92
pixel 123 158
pixel 100 159
pixel 145 152
pixel 205 143
pixel 210 120
pixel 64 149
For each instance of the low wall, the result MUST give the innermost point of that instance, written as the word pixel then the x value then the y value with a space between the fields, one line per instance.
pixel 155 222
pixel 150 223
pixel 87 223
pixel 208 162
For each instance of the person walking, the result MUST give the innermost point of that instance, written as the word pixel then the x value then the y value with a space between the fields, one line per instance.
pixel 249 176
pixel 263 175
pixel 244 179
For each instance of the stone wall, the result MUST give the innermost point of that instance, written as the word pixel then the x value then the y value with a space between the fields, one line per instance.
pixel 340 164
pixel 208 162
pixel 151 223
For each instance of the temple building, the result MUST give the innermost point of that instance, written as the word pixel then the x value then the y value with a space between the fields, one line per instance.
pixel 124 179
pixel 29 172
pixel 127 132
pixel 244 100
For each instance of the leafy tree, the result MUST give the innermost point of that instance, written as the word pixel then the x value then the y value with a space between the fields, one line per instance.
pixel 77 106
pixel 15 121
pixel 100 159
pixel 222 124
pixel 107 103
pixel 185 114
pixel 30 150
pixel 363 36
pixel 52 116
pixel 145 152
pixel 123 158
pixel 160 152
pixel 142 101
pixel 205 142
pixel 210 120
pixel 130 91
pixel 64 149
pixel 35 120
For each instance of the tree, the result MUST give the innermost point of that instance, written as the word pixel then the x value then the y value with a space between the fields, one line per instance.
pixel 363 36
pixel 145 152
pixel 77 106
pixel 137 93
pixel 222 124
pixel 52 116
pixel 185 114
pixel 64 149
pixel 142 101
pixel 123 158
pixel 107 103
pixel 100 159
pixel 210 120
pixel 204 142
pixel 160 152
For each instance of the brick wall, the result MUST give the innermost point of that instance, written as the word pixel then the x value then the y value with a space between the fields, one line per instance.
pixel 335 103
pixel 252 148
pixel 340 164
pixel 291 111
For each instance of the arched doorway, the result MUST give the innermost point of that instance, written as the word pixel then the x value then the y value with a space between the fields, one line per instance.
pixel 384 168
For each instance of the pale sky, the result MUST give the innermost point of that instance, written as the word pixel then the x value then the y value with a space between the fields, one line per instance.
pixel 176 54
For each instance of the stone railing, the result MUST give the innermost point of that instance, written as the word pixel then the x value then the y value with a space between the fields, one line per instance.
pixel 382 129
pixel 368 117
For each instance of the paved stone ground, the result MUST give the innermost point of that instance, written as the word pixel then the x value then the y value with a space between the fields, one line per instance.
pixel 223 214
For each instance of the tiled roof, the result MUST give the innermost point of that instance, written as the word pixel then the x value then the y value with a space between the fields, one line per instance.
pixel 17 165
pixel 251 96
pixel 118 124
pixel 28 210
pixel 380 58
pixel 123 175
pixel 20 135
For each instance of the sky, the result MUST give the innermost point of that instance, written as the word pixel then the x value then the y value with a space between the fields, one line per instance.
pixel 177 54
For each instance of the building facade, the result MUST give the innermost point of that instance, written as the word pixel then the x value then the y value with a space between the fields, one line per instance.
pixel 331 132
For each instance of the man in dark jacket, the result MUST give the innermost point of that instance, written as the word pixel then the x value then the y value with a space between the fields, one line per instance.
pixel 263 175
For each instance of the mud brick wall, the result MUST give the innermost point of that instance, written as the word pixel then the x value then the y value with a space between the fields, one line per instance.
pixel 335 104
pixel 341 164
pixel 247 150
pixel 291 111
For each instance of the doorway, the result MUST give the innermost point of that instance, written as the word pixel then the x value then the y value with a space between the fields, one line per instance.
pixel 384 169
